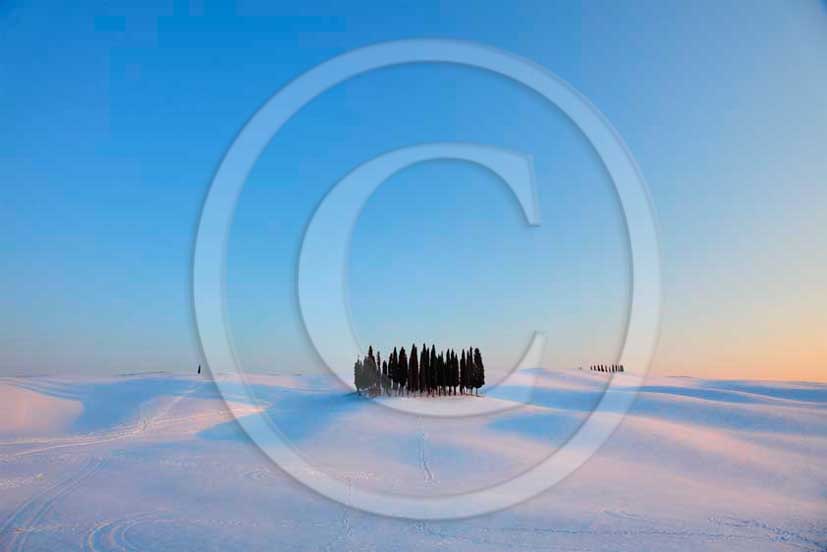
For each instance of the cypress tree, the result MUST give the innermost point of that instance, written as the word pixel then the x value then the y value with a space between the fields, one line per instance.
pixel 449 365
pixel 440 373
pixel 385 379
pixel 463 364
pixel 469 362
pixel 393 369
pixel 432 370
pixel 466 374
pixel 413 371
pixel 423 370
pixel 449 373
pixel 454 376
pixel 403 370
pixel 463 370
pixel 479 371
pixel 435 370
pixel 369 368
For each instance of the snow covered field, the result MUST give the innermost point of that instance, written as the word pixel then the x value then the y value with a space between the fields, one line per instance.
pixel 155 462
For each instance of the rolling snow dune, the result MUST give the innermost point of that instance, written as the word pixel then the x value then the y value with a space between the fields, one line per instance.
pixel 156 462
pixel 29 413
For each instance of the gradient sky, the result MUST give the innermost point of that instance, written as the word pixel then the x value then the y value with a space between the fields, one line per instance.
pixel 114 120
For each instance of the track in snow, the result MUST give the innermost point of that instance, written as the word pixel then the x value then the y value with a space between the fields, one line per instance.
pixel 15 531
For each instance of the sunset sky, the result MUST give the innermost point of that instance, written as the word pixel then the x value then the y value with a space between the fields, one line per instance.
pixel 115 120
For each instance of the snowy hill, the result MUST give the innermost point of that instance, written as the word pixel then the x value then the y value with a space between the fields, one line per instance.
pixel 156 462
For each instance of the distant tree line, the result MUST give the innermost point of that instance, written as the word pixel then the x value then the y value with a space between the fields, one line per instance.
pixel 606 368
pixel 422 372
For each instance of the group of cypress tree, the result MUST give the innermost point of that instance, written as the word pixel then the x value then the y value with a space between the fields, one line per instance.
pixel 423 372
pixel 606 368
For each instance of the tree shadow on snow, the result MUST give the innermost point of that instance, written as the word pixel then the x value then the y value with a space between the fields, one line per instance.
pixel 298 415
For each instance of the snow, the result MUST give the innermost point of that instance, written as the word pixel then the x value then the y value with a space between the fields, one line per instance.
pixel 28 413
pixel 157 462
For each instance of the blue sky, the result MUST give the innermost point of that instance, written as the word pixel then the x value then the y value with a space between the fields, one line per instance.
pixel 115 119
